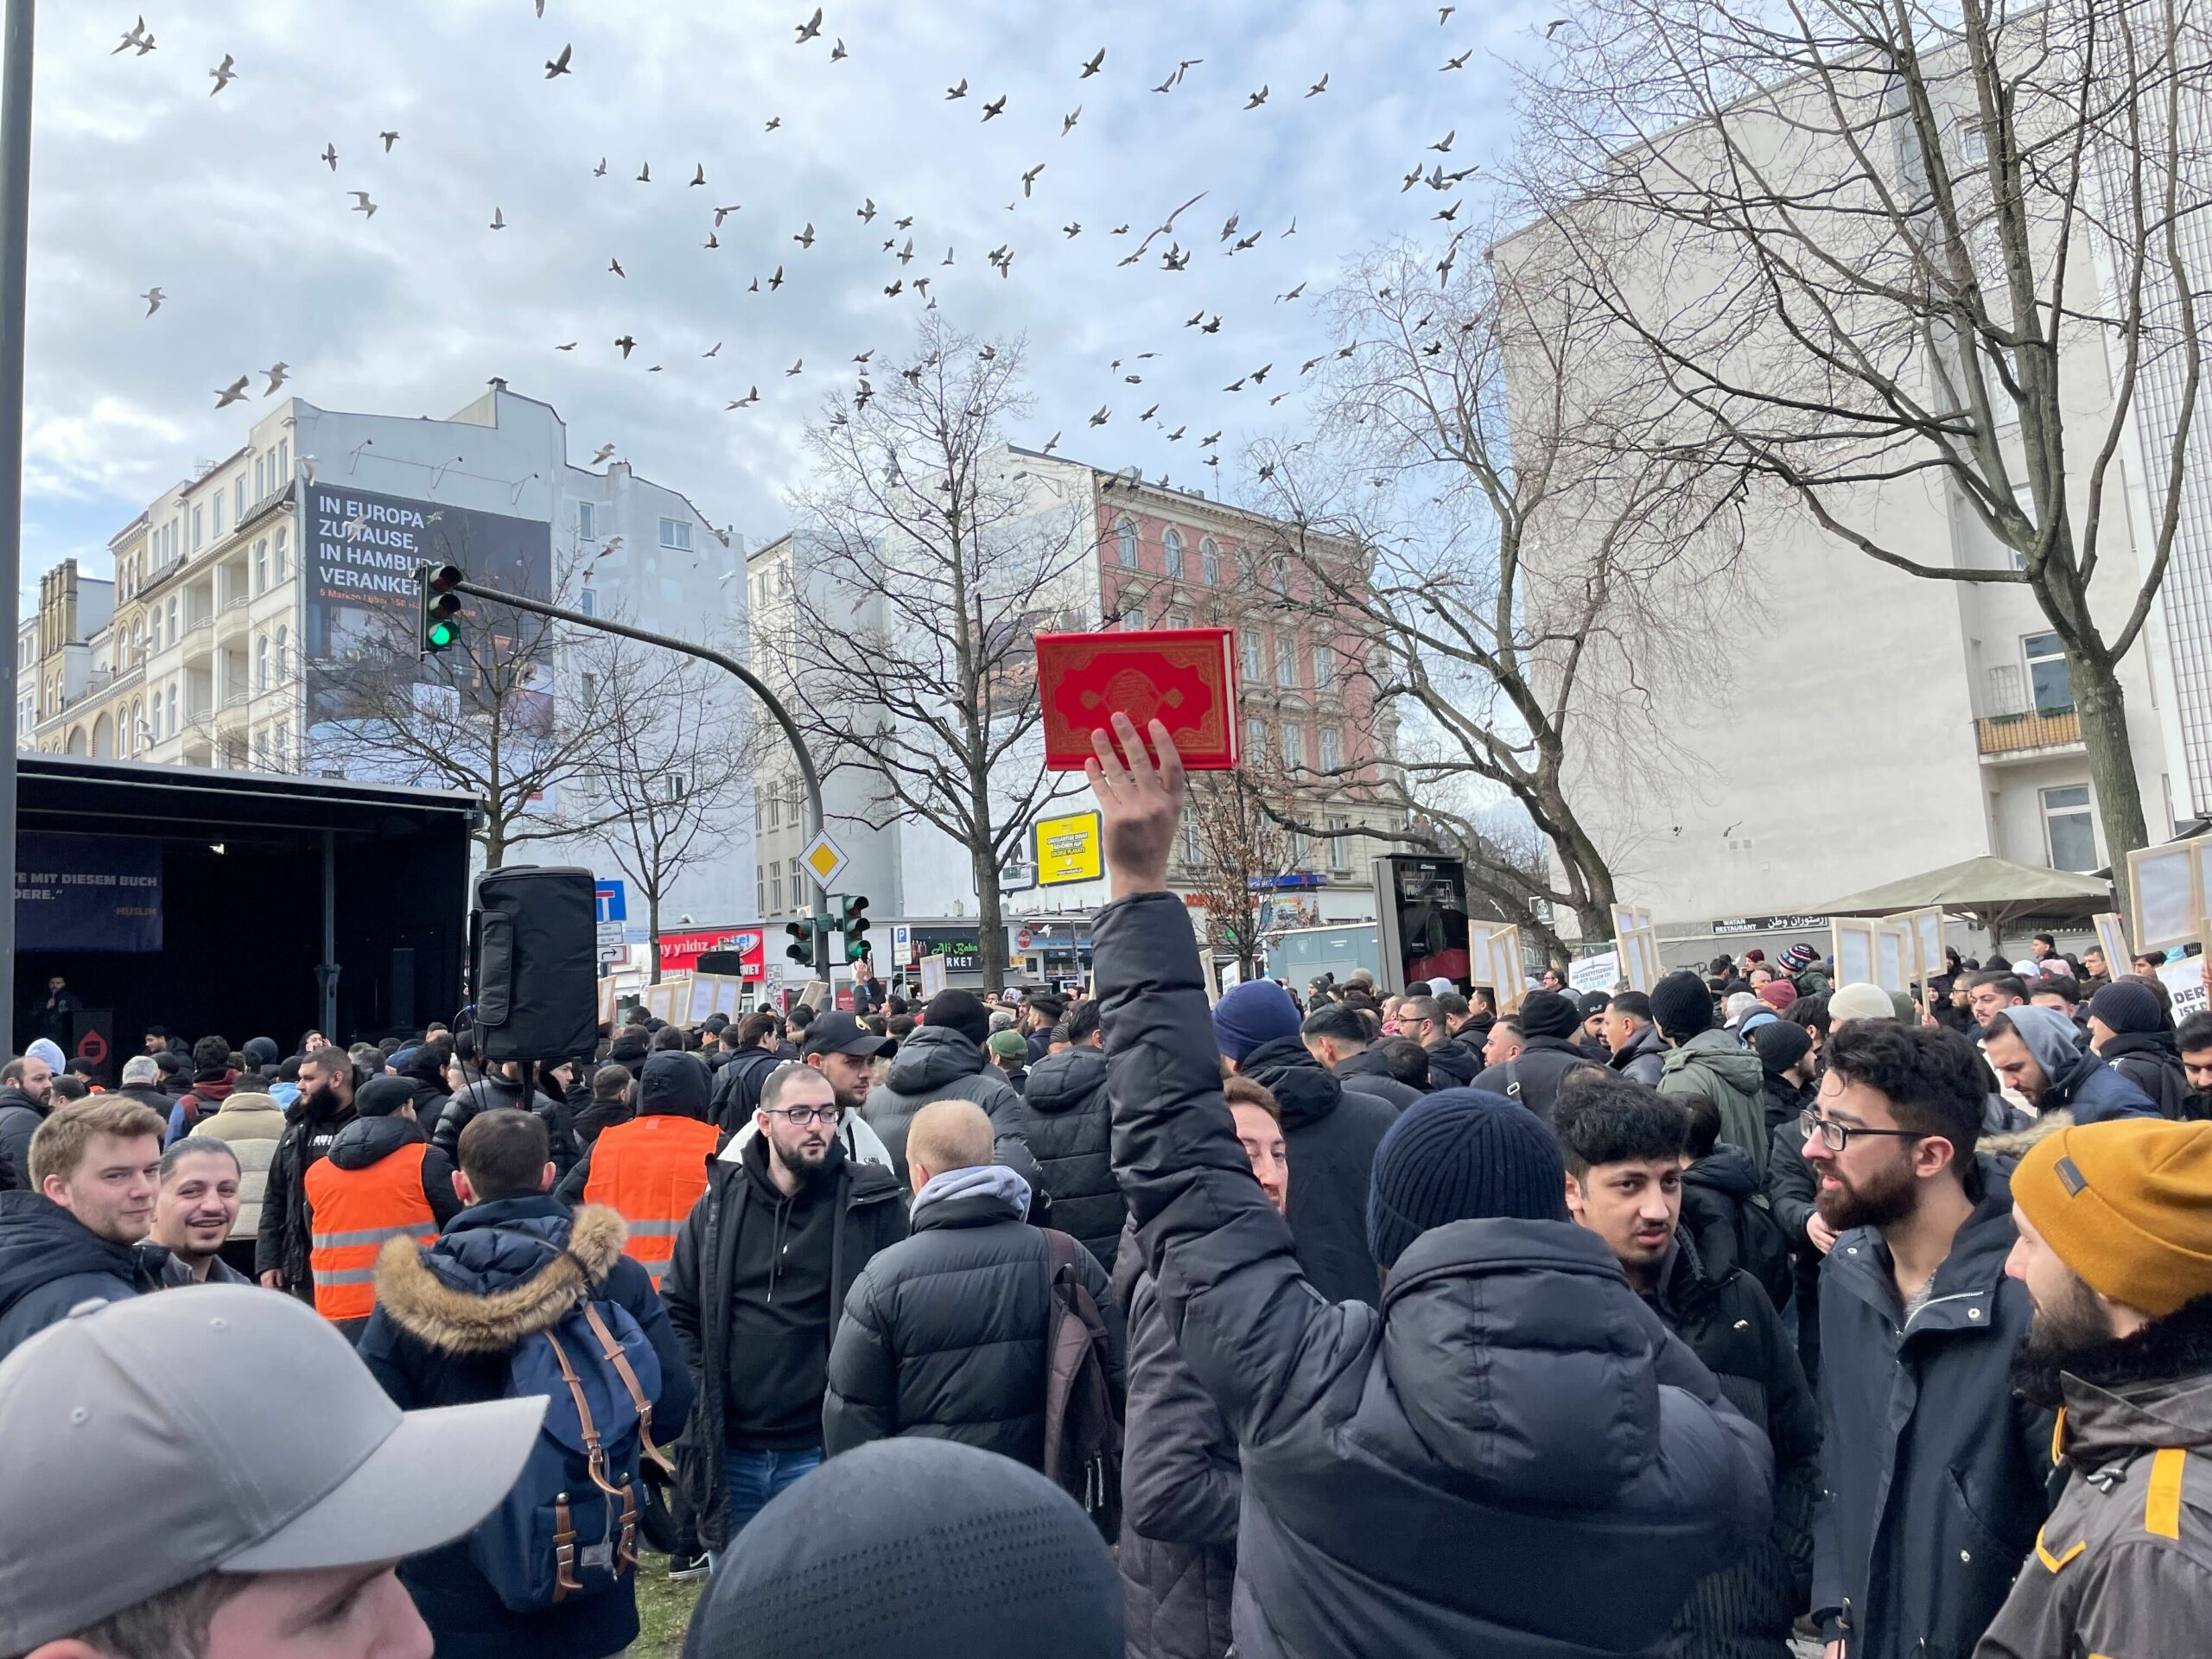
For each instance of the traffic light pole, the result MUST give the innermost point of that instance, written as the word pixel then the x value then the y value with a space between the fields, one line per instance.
pixel 807 776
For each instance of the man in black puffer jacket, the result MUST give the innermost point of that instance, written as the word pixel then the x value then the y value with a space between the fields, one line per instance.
pixel 1336 1035
pixel 1063 1116
pixel 1333 1133
pixel 944 1333
pixel 1550 1025
pixel 2129 1029
pixel 1724 1209
pixel 944 1059
pixel 1417 1477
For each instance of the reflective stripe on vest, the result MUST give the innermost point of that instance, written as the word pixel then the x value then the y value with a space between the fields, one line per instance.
pixel 354 1212
pixel 650 1172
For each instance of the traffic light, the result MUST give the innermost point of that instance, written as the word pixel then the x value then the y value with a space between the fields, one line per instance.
pixel 852 918
pixel 437 606
pixel 804 936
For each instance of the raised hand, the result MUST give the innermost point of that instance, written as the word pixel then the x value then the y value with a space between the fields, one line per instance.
pixel 1140 804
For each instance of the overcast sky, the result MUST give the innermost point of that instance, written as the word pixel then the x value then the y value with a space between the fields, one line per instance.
pixel 142 178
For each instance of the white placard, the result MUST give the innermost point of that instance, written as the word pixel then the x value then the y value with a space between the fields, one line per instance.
pixel 1599 973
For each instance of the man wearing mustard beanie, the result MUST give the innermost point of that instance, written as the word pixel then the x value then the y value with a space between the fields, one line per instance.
pixel 2115 1249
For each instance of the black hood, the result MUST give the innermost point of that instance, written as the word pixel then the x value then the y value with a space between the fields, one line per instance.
pixel 1067 1080
pixel 931 1057
pixel 1307 1090
pixel 368 1140
pixel 12 1096
pixel 1729 1170
pixel 41 1241
pixel 674 1084
pixel 2158 1042
pixel 1368 1063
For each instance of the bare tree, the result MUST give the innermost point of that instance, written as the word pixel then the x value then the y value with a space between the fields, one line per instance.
pixel 493 715
pixel 675 766
pixel 931 559
pixel 1850 251
pixel 1492 656
pixel 1233 847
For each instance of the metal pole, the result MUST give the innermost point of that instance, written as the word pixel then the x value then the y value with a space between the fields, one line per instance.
pixel 751 682
pixel 326 973
pixel 16 33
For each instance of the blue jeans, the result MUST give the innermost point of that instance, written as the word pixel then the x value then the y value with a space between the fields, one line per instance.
pixel 756 1477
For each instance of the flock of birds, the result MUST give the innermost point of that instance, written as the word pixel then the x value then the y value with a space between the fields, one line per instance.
pixel 899 250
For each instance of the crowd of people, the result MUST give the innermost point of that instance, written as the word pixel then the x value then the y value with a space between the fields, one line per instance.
pixel 1684 1323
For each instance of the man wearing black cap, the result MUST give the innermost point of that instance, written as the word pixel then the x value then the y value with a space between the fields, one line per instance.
pixel 382 1176
pixel 2132 1034
pixel 1549 1025
pixel 943 1060
pixel 1417 1477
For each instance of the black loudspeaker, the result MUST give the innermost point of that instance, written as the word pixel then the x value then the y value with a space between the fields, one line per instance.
pixel 533 953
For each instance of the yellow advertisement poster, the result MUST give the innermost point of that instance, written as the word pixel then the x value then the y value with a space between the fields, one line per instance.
pixel 1068 850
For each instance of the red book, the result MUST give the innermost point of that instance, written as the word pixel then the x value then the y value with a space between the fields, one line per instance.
pixel 1184 677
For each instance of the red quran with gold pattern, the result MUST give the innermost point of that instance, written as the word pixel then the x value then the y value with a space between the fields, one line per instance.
pixel 1186 677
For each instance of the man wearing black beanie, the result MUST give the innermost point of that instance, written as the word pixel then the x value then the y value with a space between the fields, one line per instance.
pixel 944 1059
pixel 1549 1025
pixel 1432 1478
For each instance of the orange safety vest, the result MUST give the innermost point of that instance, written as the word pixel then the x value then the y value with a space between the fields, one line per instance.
pixel 651 1171
pixel 353 1212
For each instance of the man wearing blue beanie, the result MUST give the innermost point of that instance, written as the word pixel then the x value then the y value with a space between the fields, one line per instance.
pixel 1330 1131
pixel 1433 1478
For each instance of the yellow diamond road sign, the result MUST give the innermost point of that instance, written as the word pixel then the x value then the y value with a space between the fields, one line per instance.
pixel 824 860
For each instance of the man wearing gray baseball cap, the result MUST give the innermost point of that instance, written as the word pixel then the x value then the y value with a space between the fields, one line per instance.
pixel 212 1474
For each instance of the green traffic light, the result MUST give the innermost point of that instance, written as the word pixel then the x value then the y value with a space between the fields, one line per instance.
pixel 441 635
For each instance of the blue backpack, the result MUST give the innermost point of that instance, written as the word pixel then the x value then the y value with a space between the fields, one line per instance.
pixel 568 1528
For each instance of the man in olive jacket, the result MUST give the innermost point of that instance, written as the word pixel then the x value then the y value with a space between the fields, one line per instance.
pixel 2115 1251
pixel 1414 1475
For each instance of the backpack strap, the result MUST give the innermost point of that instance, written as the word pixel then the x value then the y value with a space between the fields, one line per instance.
pixel 611 1350
pixel 1059 1251
pixel 564 1549
pixel 595 1451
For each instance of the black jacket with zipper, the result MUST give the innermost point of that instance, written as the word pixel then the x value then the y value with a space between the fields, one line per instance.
pixel 1532 1077
pixel 742 1211
pixel 1724 1209
pixel 1367 1073
pixel 1063 1116
pixel 1330 1134
pixel 1933 1470
pixel 2151 1061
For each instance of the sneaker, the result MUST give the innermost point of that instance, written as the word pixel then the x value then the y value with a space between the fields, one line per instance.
pixel 682 1569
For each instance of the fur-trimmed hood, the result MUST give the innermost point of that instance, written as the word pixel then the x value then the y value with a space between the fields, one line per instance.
pixel 2012 1146
pixel 499 1273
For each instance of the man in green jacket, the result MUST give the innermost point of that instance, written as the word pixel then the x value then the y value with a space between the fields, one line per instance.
pixel 1704 1060
pixel 2115 1248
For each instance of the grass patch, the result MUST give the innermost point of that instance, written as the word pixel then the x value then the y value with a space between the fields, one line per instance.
pixel 664 1609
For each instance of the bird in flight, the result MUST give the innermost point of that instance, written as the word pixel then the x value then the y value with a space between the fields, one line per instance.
pixel 776 281
pixel 995 107
pixel 645 173
pixel 1318 87
pixel 233 393
pixel 153 297
pixel 277 372
pixel 1094 65
pixel 571 347
pixel 330 155
pixel 699 174
pixel 1459 62
pixel 961 91
pixel 627 345
pixel 604 450
pixel 1443 12
pixel 752 396
pixel 137 37
pixel 1443 146
pixel 774 121
pixel 837 53
pixel 1104 415
pixel 722 213
pixel 498 219
pixel 805 238
pixel 615 265
pixel 1073 229
pixel 809 28
pixel 599 172
pixel 558 66
pixel 795 367
pixel 1067 122
pixel 712 241
pixel 1553 27
pixel 223 74
pixel 1256 99
pixel 1292 295
pixel 1029 180
pixel 866 212
pixel 712 350
pixel 390 139
pixel 362 204
pixel 1053 444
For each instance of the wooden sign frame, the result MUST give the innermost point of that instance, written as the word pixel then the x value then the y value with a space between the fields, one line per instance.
pixel 1853 965
pixel 2112 938
pixel 1637 942
pixel 2167 887
pixel 1494 958
pixel 1894 955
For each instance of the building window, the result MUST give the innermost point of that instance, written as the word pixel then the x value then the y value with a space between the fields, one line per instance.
pixel 260 476
pixel 776 889
pixel 217 505
pixel 1256 666
pixel 1190 839
pixel 760 889
pixel 172 621
pixel 676 533
pixel 587 522
pixel 1125 545
pixel 172 723
pixel 2051 682
pixel 1974 141
pixel 280 475
pixel 284 561
pixel 1171 543
pixel 1285 660
pixel 1293 744
pixel 1339 841
pixel 261 566
pixel 773 803
pixel 1256 739
pixel 198 527
pixel 588 602
pixel 1209 561
pixel 1325 667
pixel 238 498
pixel 798 899
pixel 261 663
pixel 2070 828
pixel 1331 748
pixel 284 636
pixel 1279 579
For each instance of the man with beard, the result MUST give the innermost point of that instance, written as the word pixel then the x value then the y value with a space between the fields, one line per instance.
pixel 1934 1472
pixel 325 1105
pixel 759 1273
pixel 193 1211
pixel 2115 1249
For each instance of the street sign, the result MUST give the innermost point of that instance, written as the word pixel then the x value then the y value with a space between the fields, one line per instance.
pixel 824 860
pixel 902 939
pixel 609 900
pixel 610 933
pixel 1021 940
pixel 612 952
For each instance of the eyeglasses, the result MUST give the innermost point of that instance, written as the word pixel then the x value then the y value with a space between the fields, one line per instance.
pixel 1836 1136
pixel 799 1116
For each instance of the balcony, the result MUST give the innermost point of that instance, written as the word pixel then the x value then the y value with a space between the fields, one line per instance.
pixel 2034 732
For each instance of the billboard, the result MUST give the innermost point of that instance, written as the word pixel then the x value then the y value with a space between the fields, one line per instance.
pixel 88 893
pixel 1068 850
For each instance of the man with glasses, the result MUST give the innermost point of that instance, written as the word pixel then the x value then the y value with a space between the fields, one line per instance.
pixel 758 1276
pixel 1934 1469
